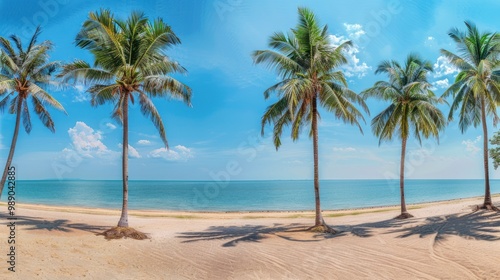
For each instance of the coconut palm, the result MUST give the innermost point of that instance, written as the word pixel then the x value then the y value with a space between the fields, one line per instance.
pixel 130 65
pixel 476 90
pixel 307 64
pixel 26 73
pixel 412 108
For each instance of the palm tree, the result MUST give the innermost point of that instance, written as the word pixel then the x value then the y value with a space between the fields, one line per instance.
pixel 129 64
pixel 25 73
pixel 307 64
pixel 476 90
pixel 411 110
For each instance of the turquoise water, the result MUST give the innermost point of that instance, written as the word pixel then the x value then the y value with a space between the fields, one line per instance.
pixel 243 195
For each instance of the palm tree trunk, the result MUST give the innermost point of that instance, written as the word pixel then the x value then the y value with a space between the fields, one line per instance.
pixel 13 144
pixel 487 195
pixel 319 219
pixel 404 212
pixel 124 216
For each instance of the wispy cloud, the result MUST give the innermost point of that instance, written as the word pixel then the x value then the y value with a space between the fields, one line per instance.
pixel 430 41
pixel 178 153
pixel 80 94
pixel 132 152
pixel 144 142
pixel 110 126
pixel 343 150
pixel 471 145
pixel 440 84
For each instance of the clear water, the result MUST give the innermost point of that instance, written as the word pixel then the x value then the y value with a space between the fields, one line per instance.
pixel 243 195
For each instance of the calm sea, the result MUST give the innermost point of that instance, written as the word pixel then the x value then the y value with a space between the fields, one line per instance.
pixel 243 195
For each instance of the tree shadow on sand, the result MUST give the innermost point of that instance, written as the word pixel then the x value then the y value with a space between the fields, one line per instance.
pixel 293 232
pixel 368 229
pixel 249 233
pixel 478 225
pixel 61 225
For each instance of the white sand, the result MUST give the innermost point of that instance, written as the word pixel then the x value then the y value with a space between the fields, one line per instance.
pixel 444 241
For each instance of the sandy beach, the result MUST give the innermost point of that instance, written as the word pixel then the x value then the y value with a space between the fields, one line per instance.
pixel 445 240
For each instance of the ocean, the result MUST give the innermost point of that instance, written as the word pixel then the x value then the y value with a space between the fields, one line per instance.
pixel 243 195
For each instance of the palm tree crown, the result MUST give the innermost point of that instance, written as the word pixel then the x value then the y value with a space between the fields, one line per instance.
pixel 412 102
pixel 476 90
pixel 479 77
pixel 26 73
pixel 307 64
pixel 129 63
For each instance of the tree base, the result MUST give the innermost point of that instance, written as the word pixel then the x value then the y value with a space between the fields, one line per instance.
pixel 488 207
pixel 322 229
pixel 127 232
pixel 404 215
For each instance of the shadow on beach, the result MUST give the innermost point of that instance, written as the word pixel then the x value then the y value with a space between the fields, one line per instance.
pixel 479 225
pixel 60 225
pixel 293 232
pixel 253 233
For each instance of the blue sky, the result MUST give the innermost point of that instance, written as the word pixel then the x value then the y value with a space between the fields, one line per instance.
pixel 219 137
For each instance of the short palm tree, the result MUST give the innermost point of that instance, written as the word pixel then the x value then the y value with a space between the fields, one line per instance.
pixel 412 108
pixel 476 90
pixel 26 73
pixel 307 64
pixel 130 65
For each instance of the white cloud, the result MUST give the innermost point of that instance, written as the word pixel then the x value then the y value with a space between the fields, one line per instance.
pixel 80 95
pixel 354 30
pixel 348 149
pixel 110 126
pixel 86 141
pixel 443 67
pixel 144 142
pixel 430 42
pixel 178 153
pixel 353 67
pixel 132 152
pixel 326 123
pixel 441 83
pixel 470 145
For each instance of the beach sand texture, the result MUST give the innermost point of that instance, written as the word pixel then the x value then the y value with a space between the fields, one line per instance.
pixel 445 240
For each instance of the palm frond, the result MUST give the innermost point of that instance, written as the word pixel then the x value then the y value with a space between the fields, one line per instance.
pixel 162 86
pixel 148 109
pixel 80 71
pixel 42 113
pixel 25 116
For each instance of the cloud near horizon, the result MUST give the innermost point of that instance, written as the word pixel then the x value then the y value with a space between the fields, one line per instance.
pixel 178 153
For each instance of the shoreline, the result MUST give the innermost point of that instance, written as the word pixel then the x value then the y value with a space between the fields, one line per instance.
pixel 187 214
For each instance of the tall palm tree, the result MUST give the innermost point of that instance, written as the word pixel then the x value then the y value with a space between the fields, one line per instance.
pixel 26 73
pixel 129 64
pixel 307 64
pixel 411 110
pixel 476 90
